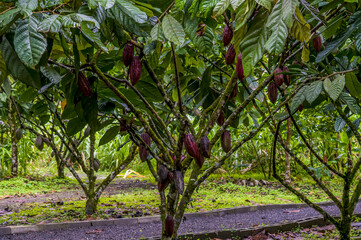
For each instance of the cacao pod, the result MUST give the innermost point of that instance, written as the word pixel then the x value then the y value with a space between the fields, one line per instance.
pixel 201 30
pixel 135 70
pixel 169 226
pixel 239 67
pixel 143 151
pixel 317 43
pixel 18 134
pixel 162 173
pixel 96 164
pixel 123 124
pixel 227 35
pixel 170 176
pixel 226 141
pixel 52 154
pixel 39 143
pixel 220 119
pixel 146 138
pixel 178 181
pixel 230 55
pixel 163 185
pixel 84 85
pixel 300 108
pixel 286 77
pixel 191 145
pixel 205 147
pixel 234 92
pixel 272 92
pixel 128 53
pixel 278 77
pixel 87 132
pixel 200 161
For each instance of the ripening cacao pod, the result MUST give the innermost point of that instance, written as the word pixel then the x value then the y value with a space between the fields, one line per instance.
pixel 201 30
pixel 170 176
pixel 239 67
pixel 220 119
pixel 146 138
pixel 163 185
pixel 128 53
pixel 205 147
pixel 135 70
pixel 234 92
pixel 317 43
pixel 143 151
pixel 179 181
pixel 227 35
pixel 286 77
pixel 300 108
pixel 87 132
pixel 162 173
pixel 230 55
pixel 169 226
pixel 39 143
pixel 18 134
pixel 200 160
pixel 191 145
pixel 84 85
pixel 278 77
pixel 226 141
pixel 96 164
pixel 272 92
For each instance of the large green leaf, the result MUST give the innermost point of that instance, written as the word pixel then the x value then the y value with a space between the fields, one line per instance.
pixel 221 7
pixel 29 44
pixel 202 43
pixel 109 135
pixel 28 4
pixel 93 37
pixel 335 87
pixel 265 3
pixel 288 8
pixel 74 126
pixel 353 85
pixel 16 68
pixel 278 27
pixel 301 30
pixel 127 22
pixel 104 3
pixel 313 91
pixel 356 124
pixel 132 11
pixel 8 18
pixel 298 99
pixel 351 103
pixel 252 46
pixel 157 32
pixel 3 71
pixel 339 124
pixel 50 24
pixel 235 3
pixel 173 30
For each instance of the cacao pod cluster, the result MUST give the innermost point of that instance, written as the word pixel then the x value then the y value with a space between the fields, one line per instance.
pixel 84 85
pixel 143 151
pixel 134 63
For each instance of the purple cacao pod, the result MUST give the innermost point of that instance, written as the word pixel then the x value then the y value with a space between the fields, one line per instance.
pixel 220 119
pixel 135 69
pixel 128 53
pixel 84 85
pixel 226 141
pixel 143 151
pixel 272 92
pixel 227 35
pixel 163 185
pixel 317 43
pixel 205 147
pixel 162 173
pixel 169 226
pixel 230 55
pixel 239 67
pixel 234 92
pixel 278 77
pixel 191 145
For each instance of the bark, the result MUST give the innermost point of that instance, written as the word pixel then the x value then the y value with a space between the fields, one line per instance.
pixel 14 144
pixel 92 201
pixel 60 166
pixel 91 204
pixel 287 156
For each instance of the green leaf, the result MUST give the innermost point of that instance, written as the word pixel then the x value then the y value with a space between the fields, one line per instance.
pixel 157 33
pixel 204 43
pixel 356 123
pixel 252 46
pixel 358 42
pixel 132 11
pixel 3 71
pixel 353 85
pixel 339 124
pixel 298 99
pixel 351 103
pixel 305 56
pixel 313 91
pixel 8 18
pixel 301 30
pixel 173 30
pixel 265 3
pixel 109 135
pixel 29 44
pixel 236 3
pixel 335 87
pixel 92 37
pixel 104 3
pixel 16 68
pixel 221 7
pixel 288 8
pixel 28 4
pixel 127 22
pixel 50 24
pixel 278 27
pixel 74 126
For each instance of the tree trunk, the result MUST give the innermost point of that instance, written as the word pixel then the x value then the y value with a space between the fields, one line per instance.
pixel 60 166
pixel 91 205
pixel 287 156
pixel 14 144
pixel 344 229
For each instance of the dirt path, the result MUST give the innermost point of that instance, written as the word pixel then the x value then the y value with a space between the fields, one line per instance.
pixel 196 224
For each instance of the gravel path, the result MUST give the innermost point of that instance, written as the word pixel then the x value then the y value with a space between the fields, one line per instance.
pixel 194 224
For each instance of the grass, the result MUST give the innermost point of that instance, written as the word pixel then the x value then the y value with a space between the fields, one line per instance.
pixel 214 194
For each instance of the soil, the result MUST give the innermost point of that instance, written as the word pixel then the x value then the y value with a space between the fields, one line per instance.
pixel 193 225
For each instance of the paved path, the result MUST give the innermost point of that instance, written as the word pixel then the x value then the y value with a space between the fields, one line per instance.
pixel 192 224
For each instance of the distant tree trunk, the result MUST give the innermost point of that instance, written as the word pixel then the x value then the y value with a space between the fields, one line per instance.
pixel 287 156
pixel 92 201
pixel 60 166
pixel 14 144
